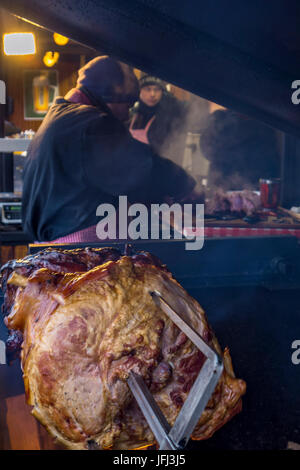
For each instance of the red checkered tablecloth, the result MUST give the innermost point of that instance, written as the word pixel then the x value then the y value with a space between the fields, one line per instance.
pixel 89 234
pixel 211 232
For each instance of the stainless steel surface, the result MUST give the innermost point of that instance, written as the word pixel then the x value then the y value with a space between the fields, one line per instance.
pixel 178 436
pixel 14 145
pixel 2 92
pixel 196 402
pixel 2 353
pixel 153 414
pixel 183 326
pixel 204 385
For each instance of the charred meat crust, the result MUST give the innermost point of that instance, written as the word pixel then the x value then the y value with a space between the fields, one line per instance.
pixel 58 261
pixel 85 325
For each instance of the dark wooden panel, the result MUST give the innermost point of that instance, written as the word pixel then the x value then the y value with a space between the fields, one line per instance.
pixel 12 252
pixel 19 430
pixel 12 67
pixel 20 425
pixel 20 251
pixel 6 253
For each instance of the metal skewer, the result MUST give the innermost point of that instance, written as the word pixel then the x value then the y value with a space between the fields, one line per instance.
pixel 193 407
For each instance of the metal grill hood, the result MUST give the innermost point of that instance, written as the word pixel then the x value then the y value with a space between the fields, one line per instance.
pixel 242 55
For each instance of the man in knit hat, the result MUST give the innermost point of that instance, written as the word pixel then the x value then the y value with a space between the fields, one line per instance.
pixel 159 119
pixel 83 156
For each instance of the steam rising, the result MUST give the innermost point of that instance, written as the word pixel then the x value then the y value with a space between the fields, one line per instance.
pixel 223 150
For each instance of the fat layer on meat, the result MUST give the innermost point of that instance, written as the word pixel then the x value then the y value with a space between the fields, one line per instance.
pixel 83 332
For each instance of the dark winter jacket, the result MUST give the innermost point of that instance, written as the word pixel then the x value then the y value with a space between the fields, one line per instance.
pixel 81 157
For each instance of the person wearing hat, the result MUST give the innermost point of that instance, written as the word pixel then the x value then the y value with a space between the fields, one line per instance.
pixel 83 155
pixel 158 119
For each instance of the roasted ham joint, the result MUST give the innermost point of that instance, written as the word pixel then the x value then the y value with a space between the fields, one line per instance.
pixel 82 320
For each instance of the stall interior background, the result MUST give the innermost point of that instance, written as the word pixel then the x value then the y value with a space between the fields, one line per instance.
pixel 33 81
pixel 259 324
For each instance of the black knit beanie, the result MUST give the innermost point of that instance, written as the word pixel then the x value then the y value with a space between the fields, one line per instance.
pixel 148 80
pixel 100 76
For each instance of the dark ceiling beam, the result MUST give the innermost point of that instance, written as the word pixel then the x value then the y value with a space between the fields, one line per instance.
pixel 184 55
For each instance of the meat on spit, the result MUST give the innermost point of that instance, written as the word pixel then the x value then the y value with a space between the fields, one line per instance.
pixel 84 319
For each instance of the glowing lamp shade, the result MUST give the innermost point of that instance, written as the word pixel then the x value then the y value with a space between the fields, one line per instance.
pixel 50 58
pixel 60 40
pixel 19 43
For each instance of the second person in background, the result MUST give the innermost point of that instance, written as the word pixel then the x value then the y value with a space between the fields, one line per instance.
pixel 159 119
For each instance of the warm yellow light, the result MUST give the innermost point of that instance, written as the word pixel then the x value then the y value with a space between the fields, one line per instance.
pixel 60 40
pixel 50 58
pixel 19 43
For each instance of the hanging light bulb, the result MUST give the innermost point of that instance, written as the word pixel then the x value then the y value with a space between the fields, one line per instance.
pixel 50 58
pixel 60 40
pixel 19 43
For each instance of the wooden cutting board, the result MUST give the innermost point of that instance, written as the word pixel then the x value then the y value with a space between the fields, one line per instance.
pixel 19 430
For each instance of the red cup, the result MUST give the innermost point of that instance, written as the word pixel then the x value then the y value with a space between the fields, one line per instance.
pixel 269 192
